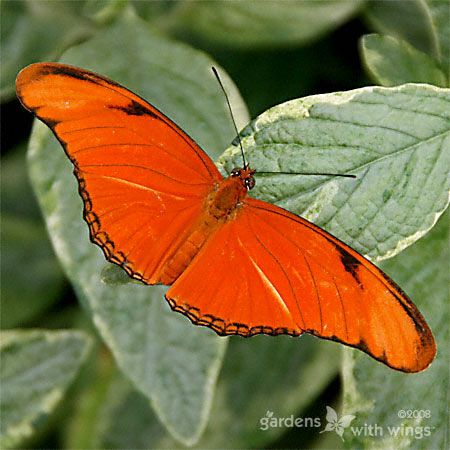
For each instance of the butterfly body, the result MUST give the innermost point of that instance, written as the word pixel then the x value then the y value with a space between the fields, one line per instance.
pixel 222 204
pixel 227 197
pixel 158 207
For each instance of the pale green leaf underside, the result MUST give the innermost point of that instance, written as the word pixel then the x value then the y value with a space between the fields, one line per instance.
pixel 391 62
pixel 247 24
pixel 37 367
pixel 375 395
pixel 173 363
pixel 395 140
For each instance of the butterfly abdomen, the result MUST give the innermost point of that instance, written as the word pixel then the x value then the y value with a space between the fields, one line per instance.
pixel 176 265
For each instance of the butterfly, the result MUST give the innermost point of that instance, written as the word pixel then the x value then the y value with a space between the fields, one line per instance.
pixel 158 207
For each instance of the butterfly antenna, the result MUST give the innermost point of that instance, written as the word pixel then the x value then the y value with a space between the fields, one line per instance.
pixel 242 149
pixel 325 174
pixel 231 114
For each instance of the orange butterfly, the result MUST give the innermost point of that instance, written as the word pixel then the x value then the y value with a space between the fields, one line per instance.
pixel 158 207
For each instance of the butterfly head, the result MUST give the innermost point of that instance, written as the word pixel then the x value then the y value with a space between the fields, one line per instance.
pixel 245 175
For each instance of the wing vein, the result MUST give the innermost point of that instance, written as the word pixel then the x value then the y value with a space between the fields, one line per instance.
pixel 140 186
pixel 284 272
pixel 136 166
pixel 152 144
pixel 342 306
pixel 107 84
pixel 316 290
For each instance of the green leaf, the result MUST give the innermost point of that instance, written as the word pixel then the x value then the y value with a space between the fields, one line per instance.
pixel 390 62
pixel 112 274
pixel 379 396
pixel 407 20
pixel 173 363
pixel 247 24
pixel 33 31
pixel 31 276
pixel 281 375
pixel 30 273
pixel 395 140
pixel 37 367
pixel 126 420
pixel 439 11
pixel 421 23
pixel 153 11
pixel 105 11
pixel 18 198
pixel 87 400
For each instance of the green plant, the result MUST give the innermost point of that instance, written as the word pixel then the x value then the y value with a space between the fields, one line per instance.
pixel 153 380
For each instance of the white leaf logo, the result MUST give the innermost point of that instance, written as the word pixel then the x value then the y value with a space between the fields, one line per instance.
pixel 335 423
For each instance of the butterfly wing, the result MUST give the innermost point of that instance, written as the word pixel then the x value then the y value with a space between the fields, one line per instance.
pixel 269 271
pixel 142 179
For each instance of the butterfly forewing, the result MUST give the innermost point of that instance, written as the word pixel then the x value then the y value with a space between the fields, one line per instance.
pixel 283 275
pixel 142 179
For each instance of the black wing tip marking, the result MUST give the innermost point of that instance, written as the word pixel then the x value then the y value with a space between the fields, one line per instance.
pixel 132 109
pixel 352 266
pixel 135 109
pixel 350 263
pixel 64 70
pixel 362 346
pixel 74 72
pixel 410 309
pixel 223 328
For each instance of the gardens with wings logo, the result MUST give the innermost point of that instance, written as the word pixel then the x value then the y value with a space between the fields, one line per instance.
pixel 414 424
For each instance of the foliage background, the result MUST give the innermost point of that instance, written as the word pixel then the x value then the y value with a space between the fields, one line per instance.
pixel 66 385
